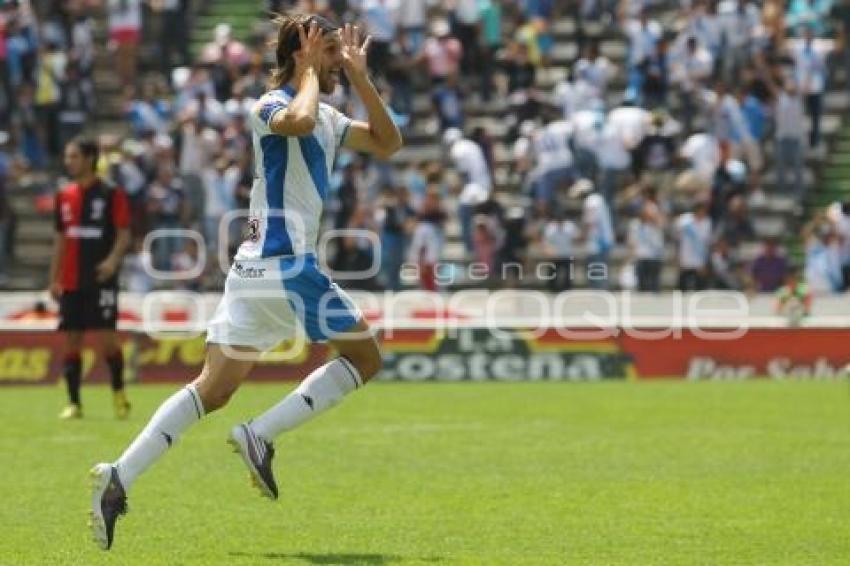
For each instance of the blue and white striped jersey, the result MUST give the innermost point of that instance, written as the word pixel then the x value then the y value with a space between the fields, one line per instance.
pixel 291 181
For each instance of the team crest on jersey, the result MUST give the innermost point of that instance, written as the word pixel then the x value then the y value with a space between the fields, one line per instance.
pixel 97 206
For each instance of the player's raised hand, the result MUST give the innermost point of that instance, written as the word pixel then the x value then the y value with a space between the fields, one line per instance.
pixel 312 48
pixel 354 52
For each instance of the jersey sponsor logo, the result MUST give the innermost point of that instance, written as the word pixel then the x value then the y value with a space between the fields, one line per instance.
pixel 107 298
pixel 248 272
pixel 97 207
pixel 84 232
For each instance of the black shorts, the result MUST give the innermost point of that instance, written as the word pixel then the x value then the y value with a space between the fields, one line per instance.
pixel 90 309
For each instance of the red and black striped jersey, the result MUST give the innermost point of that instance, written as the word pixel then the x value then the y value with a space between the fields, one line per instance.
pixel 89 219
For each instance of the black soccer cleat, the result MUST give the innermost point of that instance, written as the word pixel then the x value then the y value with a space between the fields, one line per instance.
pixel 257 454
pixel 108 502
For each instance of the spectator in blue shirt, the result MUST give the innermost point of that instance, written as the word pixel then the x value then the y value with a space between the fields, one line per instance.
pixel 147 113
pixel 754 112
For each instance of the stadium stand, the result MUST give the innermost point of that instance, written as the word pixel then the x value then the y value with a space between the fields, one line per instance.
pixel 748 208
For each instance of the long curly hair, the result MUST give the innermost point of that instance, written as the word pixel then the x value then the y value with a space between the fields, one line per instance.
pixel 288 43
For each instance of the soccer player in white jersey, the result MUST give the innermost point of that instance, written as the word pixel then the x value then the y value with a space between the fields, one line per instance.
pixel 275 287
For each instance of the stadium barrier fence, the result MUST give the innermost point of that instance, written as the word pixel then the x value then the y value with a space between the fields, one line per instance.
pixel 474 336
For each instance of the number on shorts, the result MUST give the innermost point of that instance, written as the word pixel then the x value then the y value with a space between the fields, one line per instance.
pixel 107 298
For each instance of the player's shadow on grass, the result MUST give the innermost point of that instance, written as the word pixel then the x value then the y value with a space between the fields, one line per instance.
pixel 376 559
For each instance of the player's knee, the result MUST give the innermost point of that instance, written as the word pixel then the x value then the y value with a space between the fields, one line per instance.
pixel 215 400
pixel 367 359
pixel 213 397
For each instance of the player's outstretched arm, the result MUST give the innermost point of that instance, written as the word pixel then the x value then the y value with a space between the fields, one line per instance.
pixel 379 136
pixel 299 118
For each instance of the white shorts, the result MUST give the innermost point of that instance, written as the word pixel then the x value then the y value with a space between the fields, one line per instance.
pixel 268 301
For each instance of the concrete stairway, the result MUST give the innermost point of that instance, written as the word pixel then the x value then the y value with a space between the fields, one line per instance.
pixel 33 249
pixel 775 217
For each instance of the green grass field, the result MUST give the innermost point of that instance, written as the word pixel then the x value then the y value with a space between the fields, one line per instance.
pixel 605 473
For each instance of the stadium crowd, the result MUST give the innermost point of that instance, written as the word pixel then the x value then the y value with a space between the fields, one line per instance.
pixel 669 147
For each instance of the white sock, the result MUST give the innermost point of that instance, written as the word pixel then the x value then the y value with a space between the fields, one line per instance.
pixel 173 417
pixel 322 389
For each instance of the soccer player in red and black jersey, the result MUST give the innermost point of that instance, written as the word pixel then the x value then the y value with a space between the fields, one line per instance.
pixel 92 235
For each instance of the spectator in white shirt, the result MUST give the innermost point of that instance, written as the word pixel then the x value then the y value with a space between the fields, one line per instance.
pixel 468 158
pixel 598 231
pixel 575 96
pixel 823 257
pixel 82 38
pixel 738 19
pixel 594 69
pixel 703 23
pixel 614 161
pixel 558 243
pixel 587 129
pixel 633 123
pixel 207 110
pixel 643 34
pixel 691 66
pixel 732 127
pixel 646 241
pixel 790 128
pixel 127 172
pixel 135 275
pixel 810 61
pixel 693 231
pixel 839 214
pixel 553 161
pixel 624 130
pixel 702 151
pixel 220 183
pixel 727 120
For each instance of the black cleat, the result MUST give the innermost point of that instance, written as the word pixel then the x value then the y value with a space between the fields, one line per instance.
pixel 257 454
pixel 108 502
